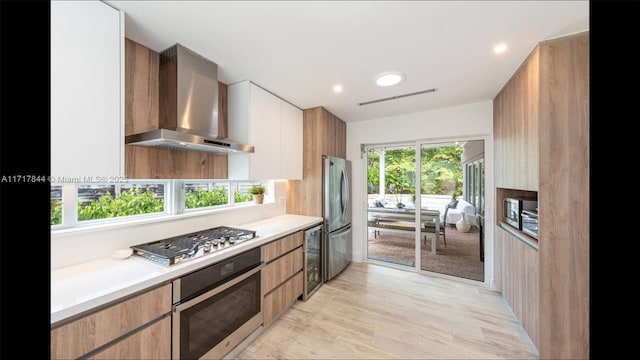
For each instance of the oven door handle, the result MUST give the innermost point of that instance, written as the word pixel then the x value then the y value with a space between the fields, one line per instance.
pixel 177 308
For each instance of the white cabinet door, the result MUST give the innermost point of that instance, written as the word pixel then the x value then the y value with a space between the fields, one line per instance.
pixel 264 135
pixel 291 145
pixel 272 126
pixel 86 98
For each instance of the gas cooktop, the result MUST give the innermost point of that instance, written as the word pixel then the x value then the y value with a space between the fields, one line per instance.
pixel 182 248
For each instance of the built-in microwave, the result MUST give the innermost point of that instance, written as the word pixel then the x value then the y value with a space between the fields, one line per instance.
pixel 513 207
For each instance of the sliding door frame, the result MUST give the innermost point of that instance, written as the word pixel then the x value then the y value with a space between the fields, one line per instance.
pixel 489 205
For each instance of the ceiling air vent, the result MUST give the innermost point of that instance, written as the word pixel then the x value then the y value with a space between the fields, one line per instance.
pixel 398 96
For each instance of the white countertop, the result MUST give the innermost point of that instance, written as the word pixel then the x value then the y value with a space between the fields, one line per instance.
pixel 82 287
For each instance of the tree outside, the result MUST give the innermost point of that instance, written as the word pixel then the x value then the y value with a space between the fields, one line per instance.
pixel 441 171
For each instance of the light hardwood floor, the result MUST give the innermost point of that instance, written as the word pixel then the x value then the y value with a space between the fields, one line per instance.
pixel 375 312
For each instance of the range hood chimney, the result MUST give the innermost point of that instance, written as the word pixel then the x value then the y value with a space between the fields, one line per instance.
pixel 188 107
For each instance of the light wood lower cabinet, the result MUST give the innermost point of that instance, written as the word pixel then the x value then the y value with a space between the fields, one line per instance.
pixel 277 301
pixel 282 276
pixel 278 271
pixel 149 343
pixel 281 246
pixel 82 336
pixel 518 281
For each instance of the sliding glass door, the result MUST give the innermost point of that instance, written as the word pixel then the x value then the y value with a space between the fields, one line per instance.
pixel 391 198
pixel 412 221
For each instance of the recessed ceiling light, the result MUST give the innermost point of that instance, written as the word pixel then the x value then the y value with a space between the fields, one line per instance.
pixel 389 78
pixel 337 88
pixel 500 48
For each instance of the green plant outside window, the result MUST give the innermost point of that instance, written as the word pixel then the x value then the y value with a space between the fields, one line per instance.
pixel 134 201
pixel 200 197
pixel 239 198
pixel 56 212
pixel 139 200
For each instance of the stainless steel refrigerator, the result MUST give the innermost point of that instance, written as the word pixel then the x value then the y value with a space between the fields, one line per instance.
pixel 336 206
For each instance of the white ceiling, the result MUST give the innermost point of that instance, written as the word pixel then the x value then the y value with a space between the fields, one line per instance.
pixel 300 49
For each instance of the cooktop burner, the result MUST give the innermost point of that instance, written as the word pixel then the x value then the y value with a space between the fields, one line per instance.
pixel 188 247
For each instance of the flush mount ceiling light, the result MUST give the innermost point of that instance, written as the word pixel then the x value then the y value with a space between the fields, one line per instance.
pixel 337 88
pixel 389 78
pixel 500 48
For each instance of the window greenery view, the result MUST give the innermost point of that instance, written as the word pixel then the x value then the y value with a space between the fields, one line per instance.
pixel 134 201
pixel 205 195
pixel 56 212
pixel 212 194
pixel 441 170
pixel 105 201
pixel 109 201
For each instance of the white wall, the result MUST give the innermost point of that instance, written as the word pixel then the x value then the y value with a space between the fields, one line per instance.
pixel 78 245
pixel 470 121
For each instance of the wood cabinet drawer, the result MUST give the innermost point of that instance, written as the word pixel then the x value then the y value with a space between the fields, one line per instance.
pixel 153 342
pixel 79 337
pixel 281 246
pixel 276 302
pixel 278 271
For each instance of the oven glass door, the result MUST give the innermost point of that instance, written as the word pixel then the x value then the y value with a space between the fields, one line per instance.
pixel 207 320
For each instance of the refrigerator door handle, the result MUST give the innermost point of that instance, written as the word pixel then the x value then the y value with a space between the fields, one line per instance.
pixel 342 192
pixel 344 195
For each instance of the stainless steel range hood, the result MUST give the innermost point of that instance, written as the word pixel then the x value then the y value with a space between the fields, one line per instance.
pixel 188 106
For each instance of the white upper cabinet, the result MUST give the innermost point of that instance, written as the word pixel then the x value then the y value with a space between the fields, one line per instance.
pixel 291 145
pixel 87 62
pixel 272 126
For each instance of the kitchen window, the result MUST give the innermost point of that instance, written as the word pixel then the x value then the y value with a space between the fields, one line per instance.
pixel 104 201
pixel 56 205
pixel 79 203
pixel 84 204
pixel 205 194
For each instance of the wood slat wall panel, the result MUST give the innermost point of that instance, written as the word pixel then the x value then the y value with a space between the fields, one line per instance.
pixel 564 197
pixel 77 338
pixel 153 342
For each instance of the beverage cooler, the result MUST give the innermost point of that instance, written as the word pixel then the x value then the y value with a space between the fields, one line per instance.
pixel 312 261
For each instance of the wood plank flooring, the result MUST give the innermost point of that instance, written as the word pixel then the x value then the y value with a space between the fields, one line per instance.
pixel 375 312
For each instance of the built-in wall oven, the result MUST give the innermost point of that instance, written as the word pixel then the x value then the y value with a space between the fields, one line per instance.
pixel 217 307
